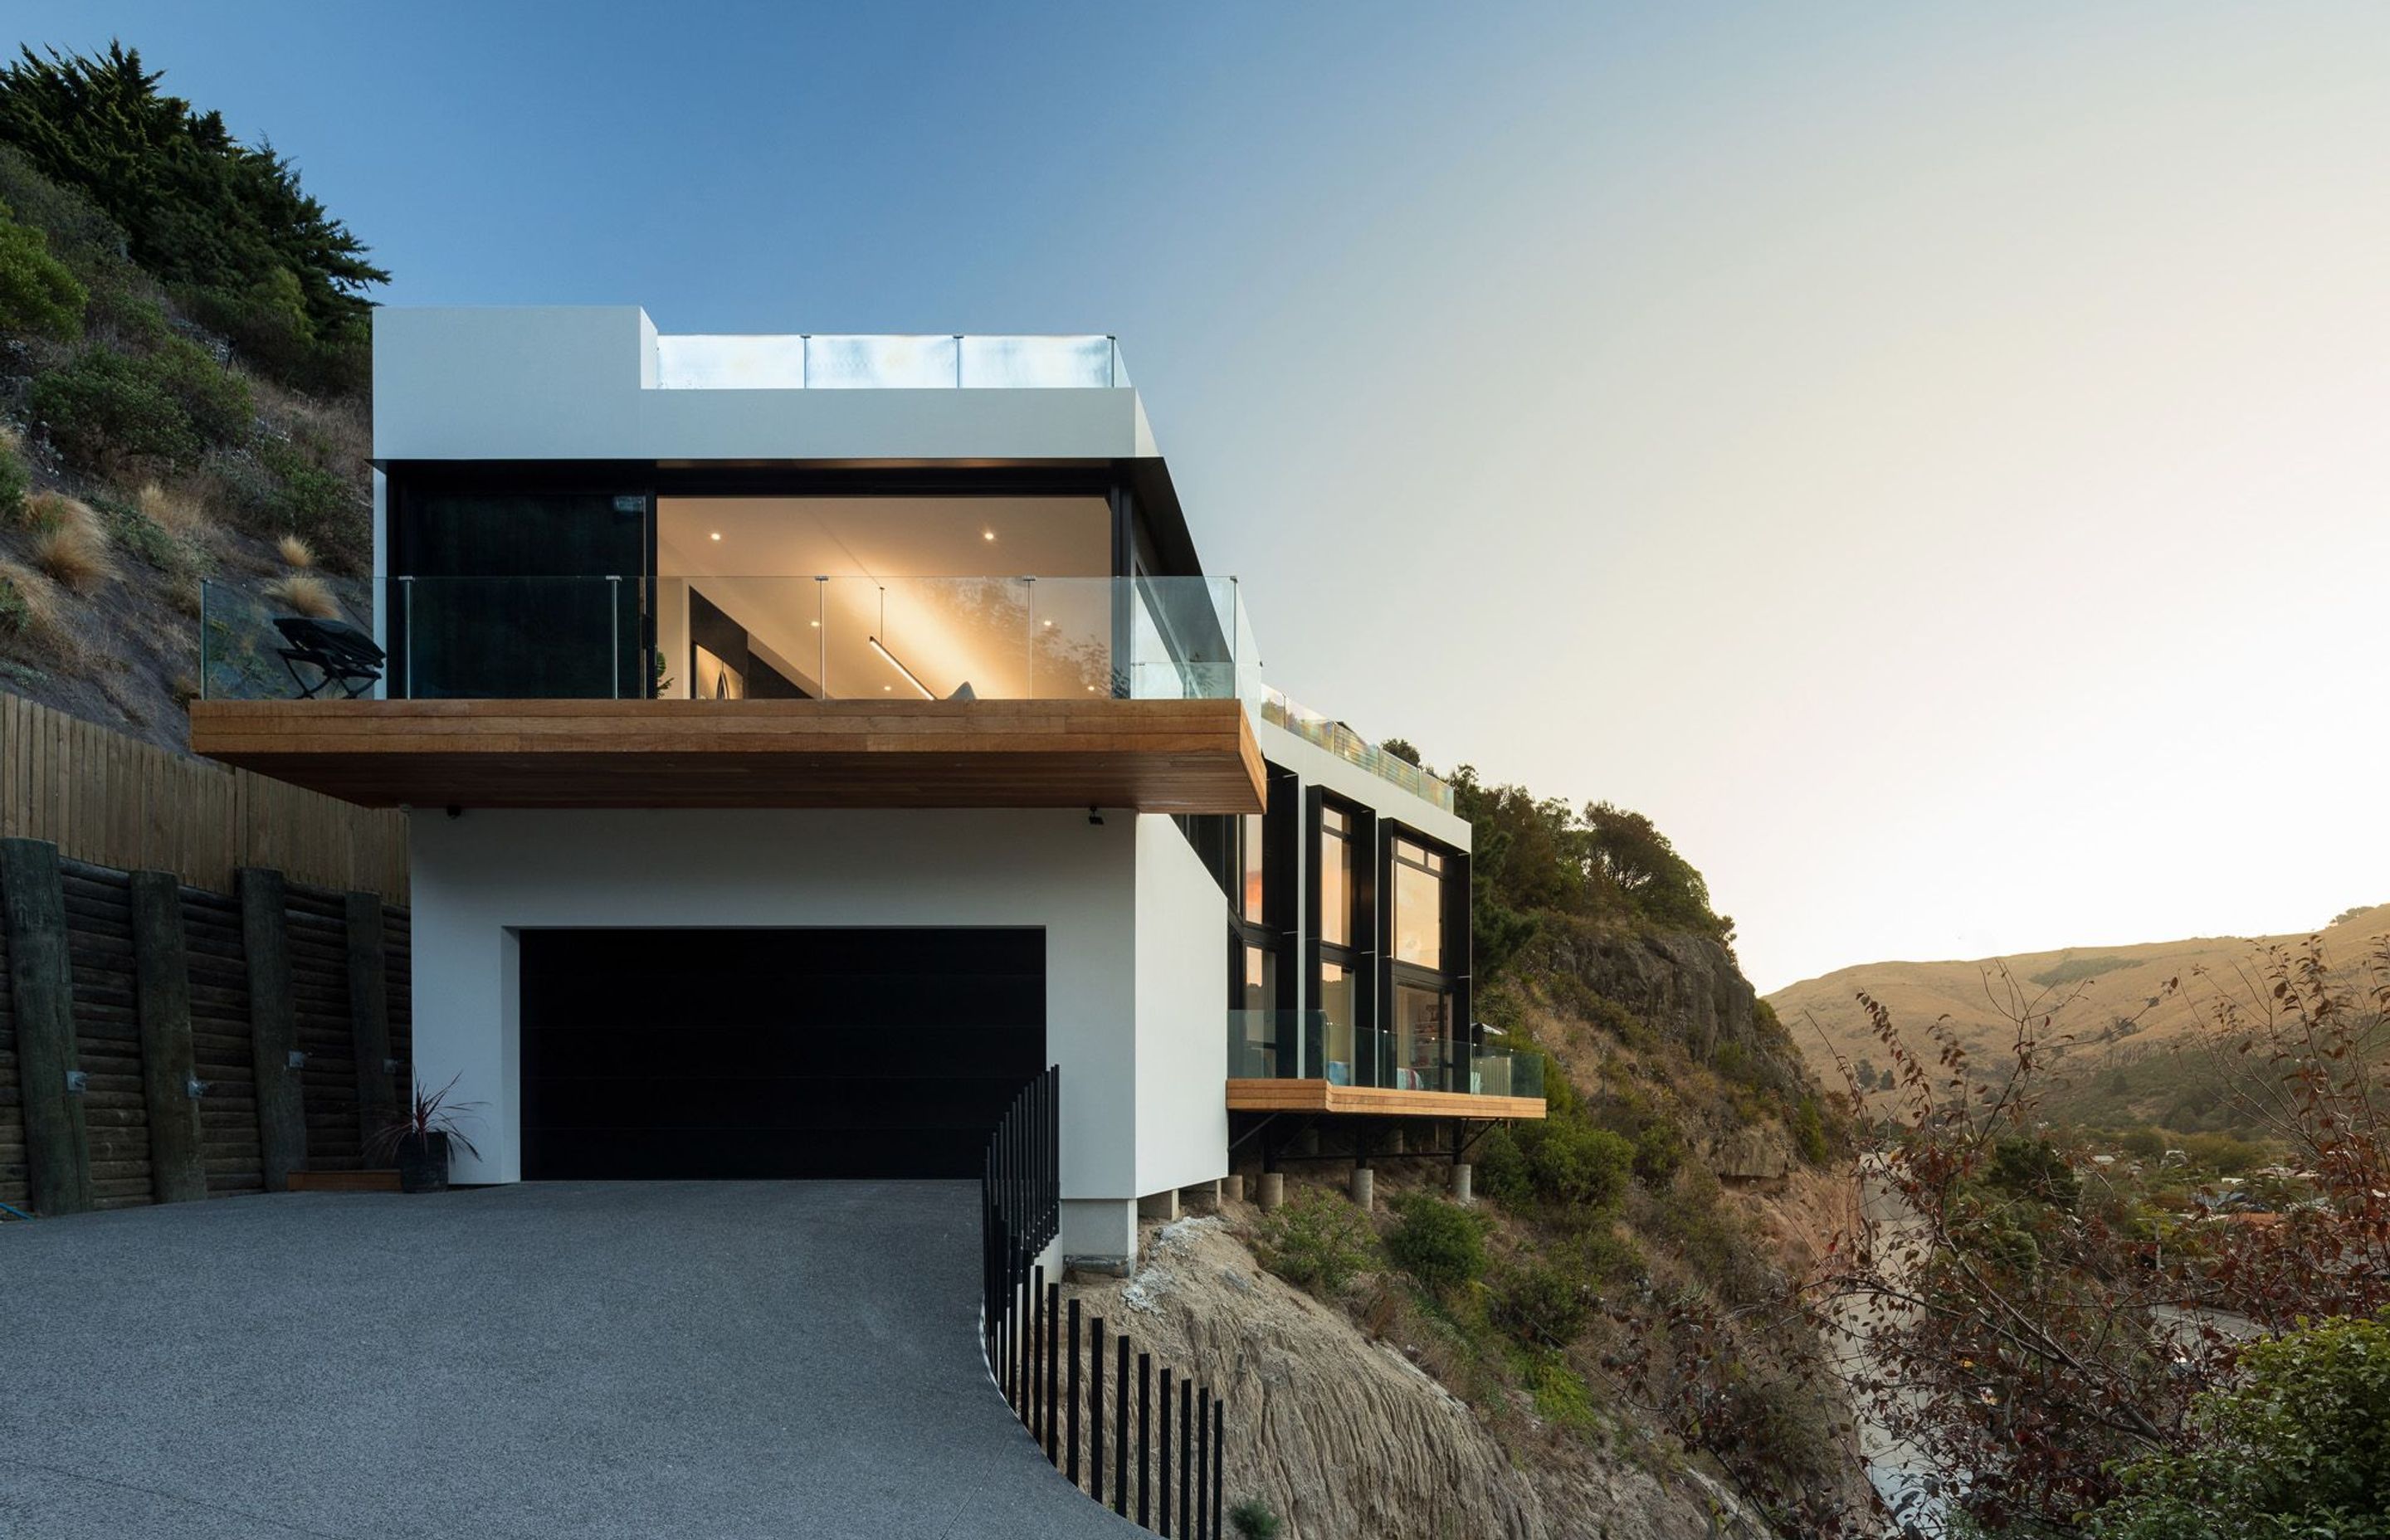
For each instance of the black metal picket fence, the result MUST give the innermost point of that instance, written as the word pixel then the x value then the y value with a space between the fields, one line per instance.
pixel 1159 1462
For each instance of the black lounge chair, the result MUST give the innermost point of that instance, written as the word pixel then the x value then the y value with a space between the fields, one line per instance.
pixel 342 654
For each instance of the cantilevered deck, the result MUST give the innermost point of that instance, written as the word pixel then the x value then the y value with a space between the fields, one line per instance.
pixel 1152 756
pixel 1320 1096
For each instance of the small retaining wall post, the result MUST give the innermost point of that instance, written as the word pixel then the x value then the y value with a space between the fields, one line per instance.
pixel 57 1147
pixel 273 1027
pixel 169 1078
pixel 369 1017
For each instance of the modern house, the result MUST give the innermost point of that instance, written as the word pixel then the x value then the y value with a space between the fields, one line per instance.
pixel 809 738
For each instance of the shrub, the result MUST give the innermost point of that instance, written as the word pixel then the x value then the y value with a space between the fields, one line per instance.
pixel 295 552
pixel 1561 1395
pixel 135 532
pixel 216 400
pixel 13 483
pixel 1253 1519
pixel 1438 1243
pixel 2222 1152
pixel 38 296
pixel 2143 1144
pixel 2297 1447
pixel 2034 1169
pixel 301 594
pixel 280 489
pixel 1575 1162
pixel 1809 1132
pixel 102 407
pixel 1659 1151
pixel 1502 1173
pixel 1315 1241
pixel 1543 1304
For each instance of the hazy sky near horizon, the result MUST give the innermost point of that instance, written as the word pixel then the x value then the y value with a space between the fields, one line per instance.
pixel 1934 460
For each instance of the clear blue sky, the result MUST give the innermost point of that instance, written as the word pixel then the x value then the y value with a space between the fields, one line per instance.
pixel 1930 459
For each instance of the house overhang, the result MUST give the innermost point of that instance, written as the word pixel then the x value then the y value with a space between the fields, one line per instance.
pixel 1149 756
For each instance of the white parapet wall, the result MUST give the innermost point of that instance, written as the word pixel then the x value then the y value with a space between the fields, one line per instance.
pixel 581 382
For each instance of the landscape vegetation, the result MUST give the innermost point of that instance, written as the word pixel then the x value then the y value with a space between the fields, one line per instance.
pixel 2089 1244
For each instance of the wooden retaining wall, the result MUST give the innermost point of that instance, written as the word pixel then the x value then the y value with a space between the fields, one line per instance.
pixel 112 801
pixel 158 991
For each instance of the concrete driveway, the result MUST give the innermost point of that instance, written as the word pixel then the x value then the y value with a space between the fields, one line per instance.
pixel 568 1360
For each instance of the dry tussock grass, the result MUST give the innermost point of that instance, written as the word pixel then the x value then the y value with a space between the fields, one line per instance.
pixel 176 511
pixel 31 615
pixel 305 595
pixel 74 556
pixel 56 510
pixel 295 552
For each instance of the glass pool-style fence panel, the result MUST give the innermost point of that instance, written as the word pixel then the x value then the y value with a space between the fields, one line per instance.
pixel 742 636
pixel 931 362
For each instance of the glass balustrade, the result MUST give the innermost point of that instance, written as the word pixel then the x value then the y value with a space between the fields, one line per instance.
pixel 745 637
pixel 702 362
pixel 1339 739
pixel 1278 1045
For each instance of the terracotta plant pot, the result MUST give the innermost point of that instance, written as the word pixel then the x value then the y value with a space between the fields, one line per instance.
pixel 423 1163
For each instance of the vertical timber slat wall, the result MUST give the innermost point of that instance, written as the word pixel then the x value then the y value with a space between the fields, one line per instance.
pixel 112 800
pixel 137 989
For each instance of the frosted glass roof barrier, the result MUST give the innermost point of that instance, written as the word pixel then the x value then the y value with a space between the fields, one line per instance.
pixel 721 362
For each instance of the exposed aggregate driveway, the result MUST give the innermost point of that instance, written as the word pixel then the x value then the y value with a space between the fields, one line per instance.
pixel 571 1360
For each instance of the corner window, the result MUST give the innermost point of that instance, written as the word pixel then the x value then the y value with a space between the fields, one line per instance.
pixel 1259 992
pixel 1418 905
pixel 1250 844
pixel 1335 877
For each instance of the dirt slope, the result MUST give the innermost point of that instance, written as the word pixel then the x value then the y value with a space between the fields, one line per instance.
pixel 1346 1439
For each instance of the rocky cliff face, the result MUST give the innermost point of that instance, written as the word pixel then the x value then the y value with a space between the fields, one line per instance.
pixel 1346 1439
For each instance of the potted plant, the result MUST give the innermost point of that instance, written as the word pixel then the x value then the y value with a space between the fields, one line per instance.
pixel 419 1142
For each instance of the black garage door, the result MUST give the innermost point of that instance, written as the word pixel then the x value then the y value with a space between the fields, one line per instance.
pixel 773 1053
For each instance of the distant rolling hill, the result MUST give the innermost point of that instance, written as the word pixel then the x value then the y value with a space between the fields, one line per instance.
pixel 2124 1066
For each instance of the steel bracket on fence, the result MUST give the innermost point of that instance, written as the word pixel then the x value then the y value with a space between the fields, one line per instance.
pixel 298 1059
pixel 195 1087
pixel 78 1082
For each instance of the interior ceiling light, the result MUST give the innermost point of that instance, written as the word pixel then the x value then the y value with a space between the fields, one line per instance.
pixel 717 534
pixel 988 534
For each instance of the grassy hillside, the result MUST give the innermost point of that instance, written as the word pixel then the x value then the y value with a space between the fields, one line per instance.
pixel 183 366
pixel 2124 1061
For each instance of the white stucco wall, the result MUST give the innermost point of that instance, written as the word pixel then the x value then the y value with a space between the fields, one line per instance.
pixel 1182 1013
pixel 576 382
pixel 476 878
pixel 1324 767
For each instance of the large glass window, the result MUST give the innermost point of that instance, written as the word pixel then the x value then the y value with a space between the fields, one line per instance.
pixel 519 596
pixel 1335 877
pixel 1250 843
pixel 1418 905
pixel 1419 1018
pixel 1336 1011
pixel 1260 980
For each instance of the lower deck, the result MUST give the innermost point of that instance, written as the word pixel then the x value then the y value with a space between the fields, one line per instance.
pixel 1322 1095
